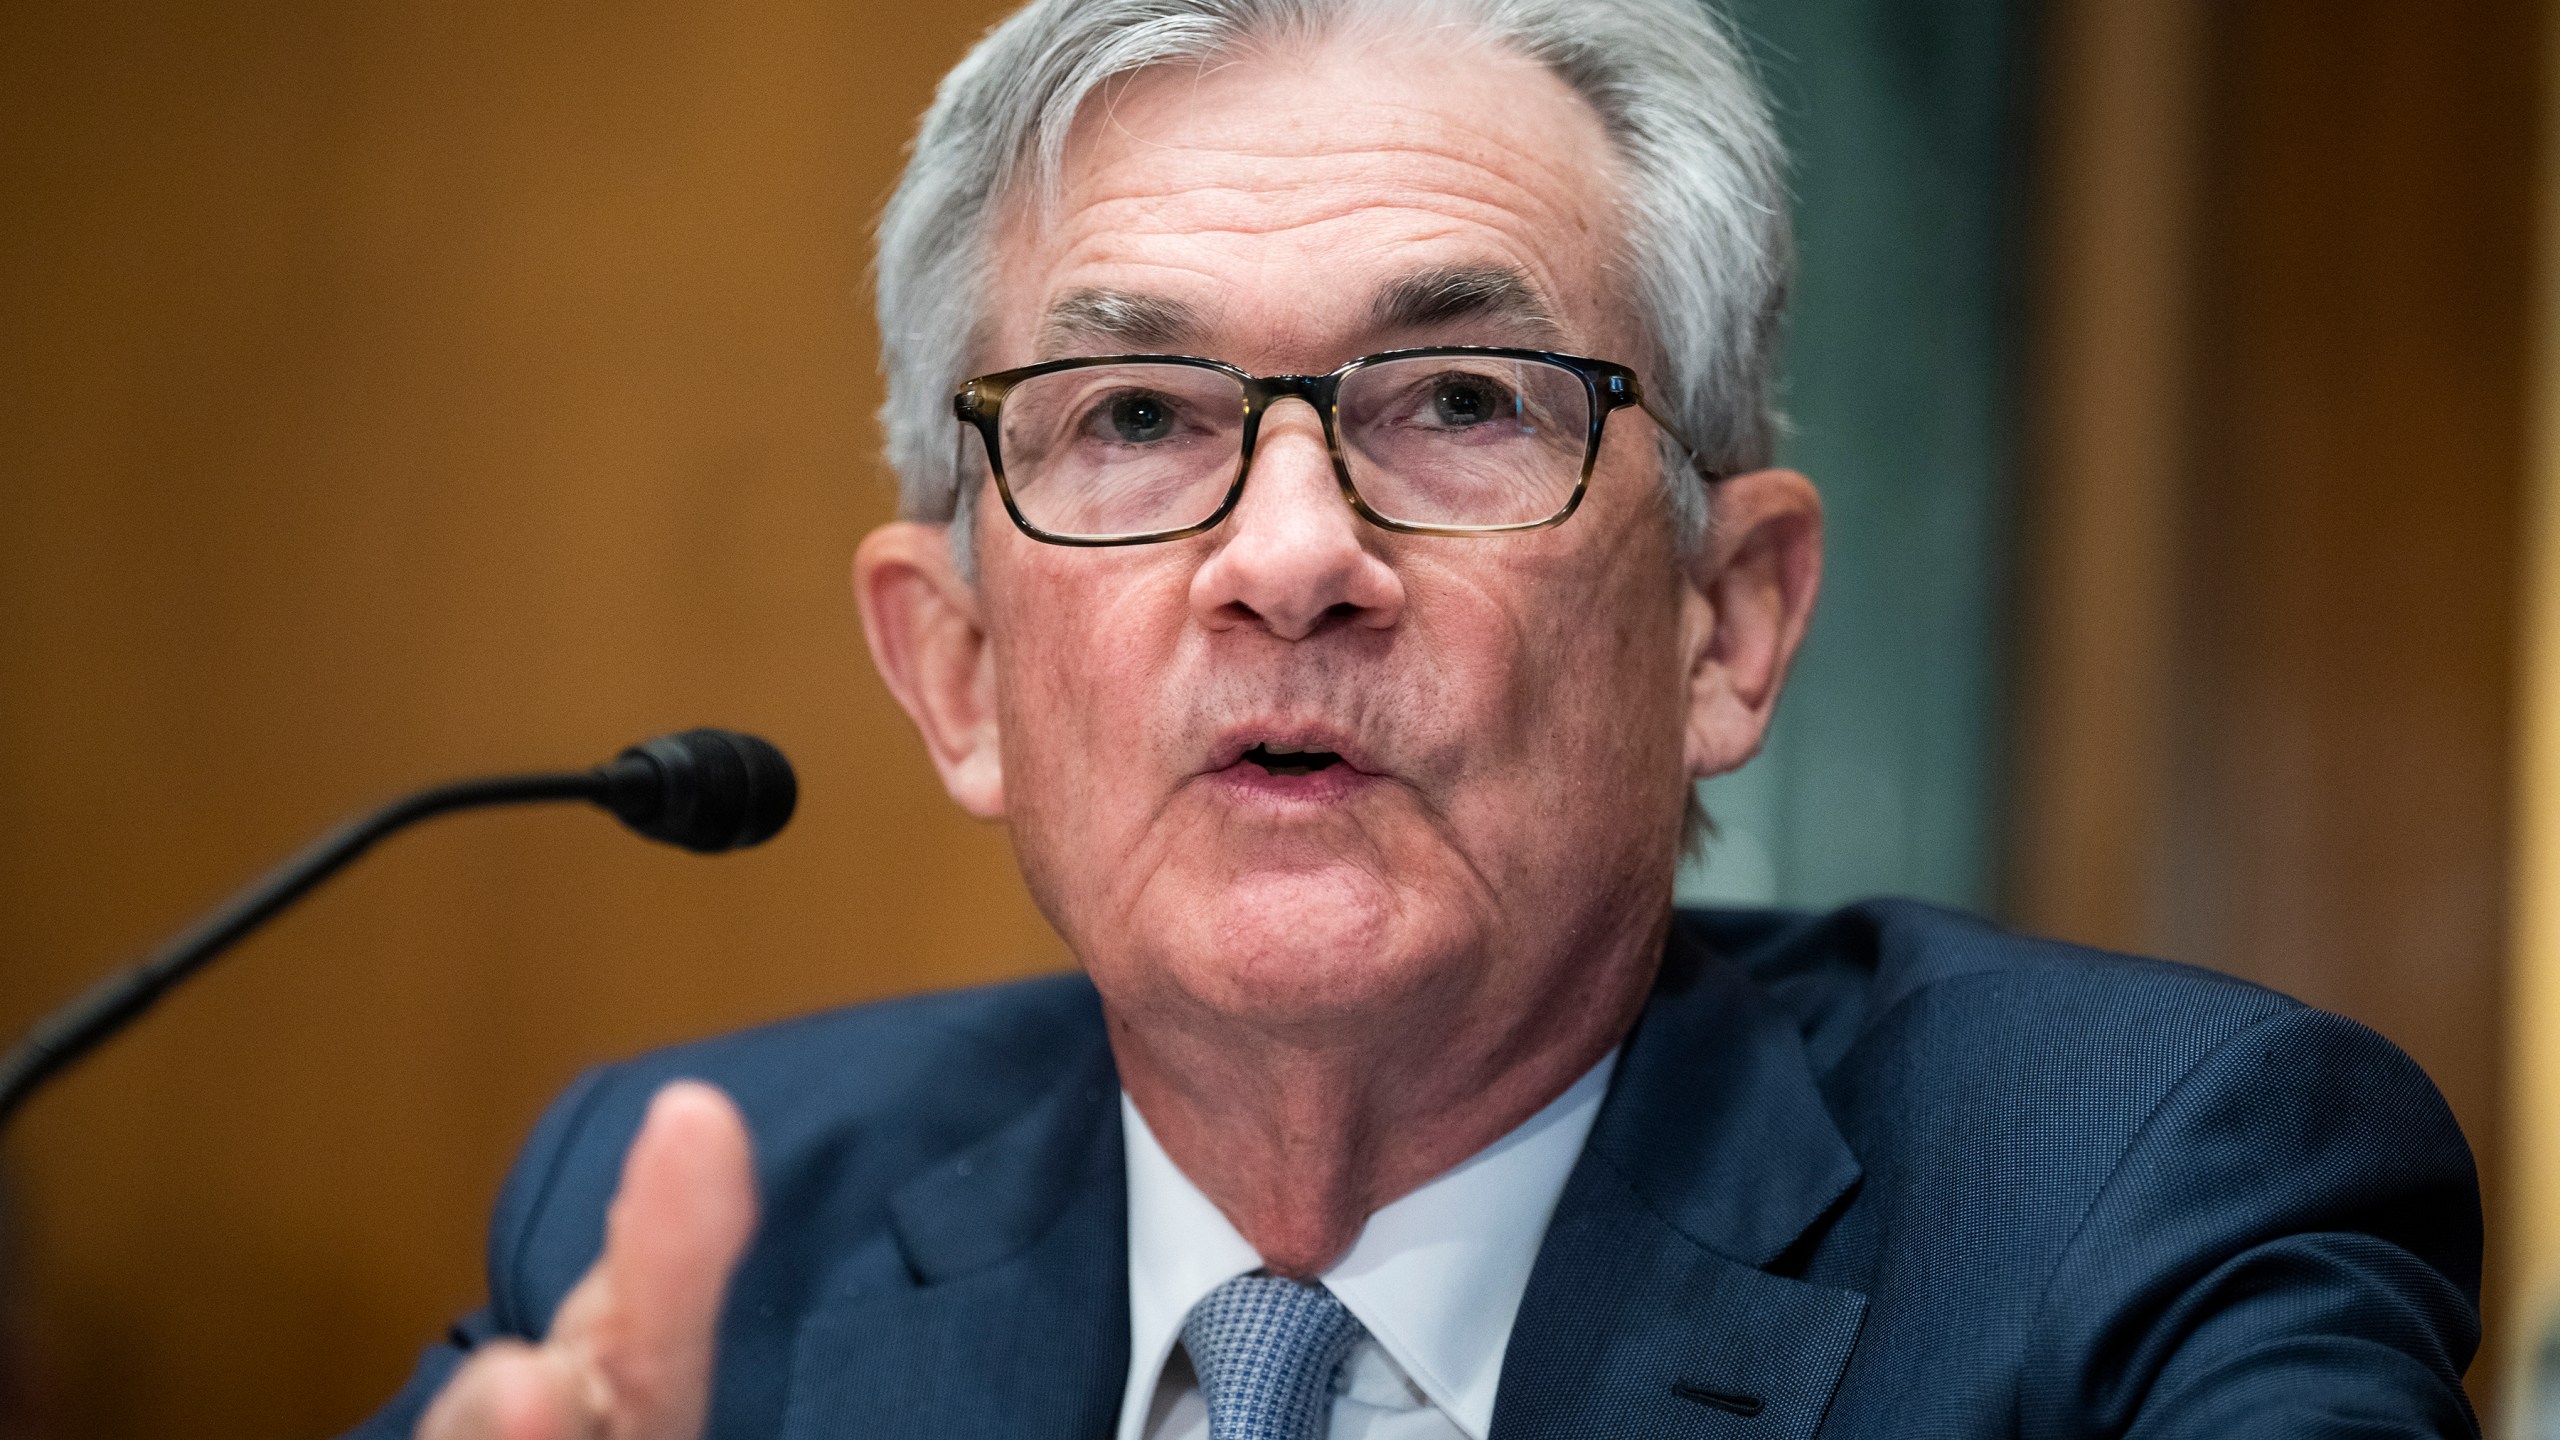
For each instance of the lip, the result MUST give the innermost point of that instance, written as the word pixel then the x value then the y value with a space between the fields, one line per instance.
pixel 1250 783
pixel 1234 741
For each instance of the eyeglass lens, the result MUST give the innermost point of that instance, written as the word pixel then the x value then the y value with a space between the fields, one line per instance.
pixel 1138 448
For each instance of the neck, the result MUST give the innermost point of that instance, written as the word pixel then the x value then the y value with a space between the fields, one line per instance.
pixel 1299 1135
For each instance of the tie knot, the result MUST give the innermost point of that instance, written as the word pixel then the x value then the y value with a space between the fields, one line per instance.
pixel 1266 1350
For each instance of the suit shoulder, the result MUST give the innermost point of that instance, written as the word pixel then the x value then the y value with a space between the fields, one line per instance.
pixel 842 1106
pixel 1878 965
pixel 2110 1180
pixel 1946 1046
pixel 892 1056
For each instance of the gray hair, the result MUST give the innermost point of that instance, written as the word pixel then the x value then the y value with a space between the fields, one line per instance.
pixel 1708 247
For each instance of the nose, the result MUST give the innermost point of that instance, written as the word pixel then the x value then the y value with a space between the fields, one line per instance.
pixel 1293 558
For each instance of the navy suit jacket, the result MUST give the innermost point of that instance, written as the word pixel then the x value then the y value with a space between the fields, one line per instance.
pixel 1889 1172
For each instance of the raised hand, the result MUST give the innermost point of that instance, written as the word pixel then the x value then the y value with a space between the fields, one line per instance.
pixel 629 1355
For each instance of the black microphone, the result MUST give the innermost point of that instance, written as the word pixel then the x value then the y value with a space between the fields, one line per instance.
pixel 706 790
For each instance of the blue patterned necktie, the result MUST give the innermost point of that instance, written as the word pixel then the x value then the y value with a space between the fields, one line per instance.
pixel 1265 1350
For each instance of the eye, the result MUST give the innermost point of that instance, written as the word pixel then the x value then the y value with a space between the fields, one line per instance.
pixel 1459 401
pixel 1138 417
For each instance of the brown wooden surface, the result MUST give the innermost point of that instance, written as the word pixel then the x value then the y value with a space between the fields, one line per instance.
pixel 2110 440
pixel 394 391
pixel 2320 792
pixel 2341 821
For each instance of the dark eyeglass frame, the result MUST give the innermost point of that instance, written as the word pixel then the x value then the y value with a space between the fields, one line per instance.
pixel 1610 386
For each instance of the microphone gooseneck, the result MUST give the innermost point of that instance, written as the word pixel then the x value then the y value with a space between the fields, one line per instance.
pixel 705 790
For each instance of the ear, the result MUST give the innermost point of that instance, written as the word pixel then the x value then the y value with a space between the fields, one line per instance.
pixel 930 644
pixel 1750 594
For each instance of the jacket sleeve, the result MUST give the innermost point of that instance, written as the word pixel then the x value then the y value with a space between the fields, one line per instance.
pixel 2290 1246
pixel 511 1311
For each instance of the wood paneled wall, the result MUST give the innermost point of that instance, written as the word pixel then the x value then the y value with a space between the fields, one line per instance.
pixel 2532 1163
pixel 2346 723
pixel 393 391
pixel 2270 700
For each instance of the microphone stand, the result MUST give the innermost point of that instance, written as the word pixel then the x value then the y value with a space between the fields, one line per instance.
pixel 704 790
pixel 112 1003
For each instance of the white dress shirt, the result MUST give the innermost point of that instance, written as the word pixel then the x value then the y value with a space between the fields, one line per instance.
pixel 1435 1277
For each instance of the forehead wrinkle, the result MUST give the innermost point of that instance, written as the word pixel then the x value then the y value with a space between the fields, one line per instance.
pixel 1500 143
pixel 1526 231
pixel 1133 198
pixel 1414 219
pixel 1411 169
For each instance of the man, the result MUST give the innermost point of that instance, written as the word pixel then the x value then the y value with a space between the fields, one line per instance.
pixel 1359 542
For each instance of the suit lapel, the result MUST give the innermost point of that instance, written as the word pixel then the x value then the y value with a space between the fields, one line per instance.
pixel 1655 1307
pixel 1010 1318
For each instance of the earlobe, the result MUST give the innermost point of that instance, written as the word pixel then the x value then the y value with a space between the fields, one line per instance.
pixel 1749 599
pixel 929 641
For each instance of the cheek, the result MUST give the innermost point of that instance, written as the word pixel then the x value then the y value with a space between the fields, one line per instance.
pixel 1077 656
pixel 1589 693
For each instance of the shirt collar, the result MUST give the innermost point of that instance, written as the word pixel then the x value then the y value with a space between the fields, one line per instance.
pixel 1436 1276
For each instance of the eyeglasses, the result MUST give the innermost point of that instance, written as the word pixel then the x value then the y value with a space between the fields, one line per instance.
pixel 1458 440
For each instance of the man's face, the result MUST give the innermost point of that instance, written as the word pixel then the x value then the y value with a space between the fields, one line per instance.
pixel 1508 711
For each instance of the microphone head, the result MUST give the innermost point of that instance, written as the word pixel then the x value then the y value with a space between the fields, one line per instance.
pixel 706 790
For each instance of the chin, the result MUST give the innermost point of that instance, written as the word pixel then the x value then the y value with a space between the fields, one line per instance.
pixel 1316 946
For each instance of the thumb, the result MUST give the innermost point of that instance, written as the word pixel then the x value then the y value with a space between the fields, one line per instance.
pixel 679 1223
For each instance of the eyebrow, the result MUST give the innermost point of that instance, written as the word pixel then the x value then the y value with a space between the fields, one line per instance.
pixel 1095 318
pixel 1122 319
pixel 1453 293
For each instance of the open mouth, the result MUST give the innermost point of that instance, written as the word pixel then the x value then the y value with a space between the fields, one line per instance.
pixel 1283 760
